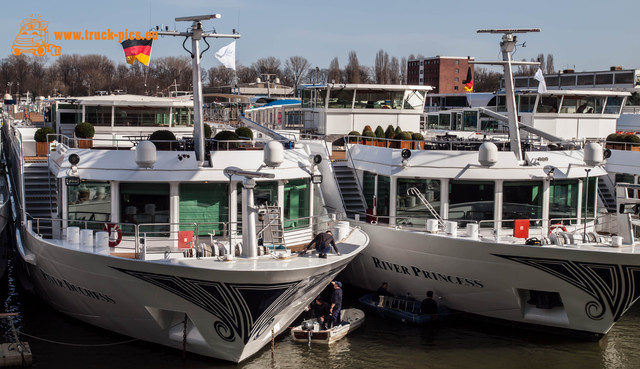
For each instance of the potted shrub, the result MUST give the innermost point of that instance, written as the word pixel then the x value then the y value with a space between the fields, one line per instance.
pixel 404 140
pixel 226 136
pixel 244 132
pixel 162 138
pixel 632 141
pixel 611 141
pixel 42 140
pixel 366 128
pixel 370 140
pixel 354 137
pixel 380 134
pixel 84 131
pixel 207 130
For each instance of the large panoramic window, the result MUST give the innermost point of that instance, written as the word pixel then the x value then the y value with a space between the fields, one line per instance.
pixel 548 104
pixel 206 203
pixel 340 99
pixel 470 120
pixel 471 200
pixel 521 200
pixel 409 208
pixel 130 116
pixel 614 104
pixel 563 200
pixel 90 201
pixel 378 99
pixel 144 203
pixel 98 115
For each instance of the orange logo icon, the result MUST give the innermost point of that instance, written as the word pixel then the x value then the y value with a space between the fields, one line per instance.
pixel 34 38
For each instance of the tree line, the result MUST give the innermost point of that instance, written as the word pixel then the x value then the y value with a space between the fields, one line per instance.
pixel 81 75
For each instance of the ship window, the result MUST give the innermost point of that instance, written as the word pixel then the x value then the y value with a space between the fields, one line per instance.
pixel 582 104
pixel 340 99
pixel 204 203
pixel 584 80
pixel 409 209
pixel 69 118
pixel 470 121
pixel 368 189
pixel 90 201
pixel 445 121
pixel 614 104
pixel 525 103
pixel 384 192
pixel 522 200
pixel 624 78
pixel 414 99
pixel 548 104
pixel 378 99
pixel 626 178
pixel 471 200
pixel 521 82
pixel 265 193
pixel 588 204
pixel 141 116
pixel 563 200
pixel 306 98
pixel 98 115
pixel 604 79
pixel 568 80
pixel 551 80
pixel 182 117
pixel 432 121
pixel 144 203
pixel 297 194
pixel 501 104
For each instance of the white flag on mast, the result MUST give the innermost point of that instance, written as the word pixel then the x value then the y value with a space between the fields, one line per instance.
pixel 227 55
pixel 542 85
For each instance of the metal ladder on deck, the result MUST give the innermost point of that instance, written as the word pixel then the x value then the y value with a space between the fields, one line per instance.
pixel 274 222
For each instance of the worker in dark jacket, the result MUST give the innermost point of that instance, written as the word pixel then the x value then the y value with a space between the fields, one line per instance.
pixel 324 242
pixel 429 305
pixel 336 303
pixel 321 312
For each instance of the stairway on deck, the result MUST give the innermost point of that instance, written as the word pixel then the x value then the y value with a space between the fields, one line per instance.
pixel 351 196
pixel 41 194
pixel 607 196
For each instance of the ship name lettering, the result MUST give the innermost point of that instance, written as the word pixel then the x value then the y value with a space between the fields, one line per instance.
pixel 63 283
pixel 427 274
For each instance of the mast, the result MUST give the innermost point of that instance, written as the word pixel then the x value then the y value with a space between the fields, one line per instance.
pixel 197 33
pixel 507 45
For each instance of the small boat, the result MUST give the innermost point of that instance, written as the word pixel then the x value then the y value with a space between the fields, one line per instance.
pixel 403 308
pixel 309 331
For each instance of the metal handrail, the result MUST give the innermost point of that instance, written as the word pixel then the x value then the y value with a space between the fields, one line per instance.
pixel 416 192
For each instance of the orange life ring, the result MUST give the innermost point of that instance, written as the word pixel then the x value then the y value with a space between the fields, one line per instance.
pixel 115 227
pixel 557 226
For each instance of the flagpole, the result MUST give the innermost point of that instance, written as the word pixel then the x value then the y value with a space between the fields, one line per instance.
pixel 197 33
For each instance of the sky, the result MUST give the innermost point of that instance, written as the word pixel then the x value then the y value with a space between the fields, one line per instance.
pixel 581 35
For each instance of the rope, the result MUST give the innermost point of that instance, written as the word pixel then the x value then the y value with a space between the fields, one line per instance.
pixel 77 344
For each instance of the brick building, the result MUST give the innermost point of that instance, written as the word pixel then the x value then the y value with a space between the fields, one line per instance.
pixel 444 73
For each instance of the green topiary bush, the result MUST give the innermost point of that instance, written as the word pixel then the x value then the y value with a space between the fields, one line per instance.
pixel 367 128
pixel 226 136
pixel 160 137
pixel 84 130
pixel 417 136
pixel 403 136
pixel 354 136
pixel 613 137
pixel 41 134
pixel 398 130
pixel 379 132
pixel 390 132
pixel 631 138
pixel 244 132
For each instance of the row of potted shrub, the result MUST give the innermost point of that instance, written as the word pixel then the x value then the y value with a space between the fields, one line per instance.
pixel 85 132
pixel 391 137
pixel 623 141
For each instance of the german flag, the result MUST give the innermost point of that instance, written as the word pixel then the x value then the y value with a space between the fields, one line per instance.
pixel 139 50
pixel 468 83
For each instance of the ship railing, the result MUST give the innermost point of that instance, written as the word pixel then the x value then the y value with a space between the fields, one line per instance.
pixel 400 303
pixel 166 238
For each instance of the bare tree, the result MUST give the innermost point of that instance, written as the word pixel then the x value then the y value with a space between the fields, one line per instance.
pixel 394 71
pixel 352 70
pixel 382 67
pixel 245 74
pixel 335 74
pixel 295 68
pixel 485 80
pixel 220 76
pixel 403 71
pixel 550 69
pixel 268 65
pixel 365 74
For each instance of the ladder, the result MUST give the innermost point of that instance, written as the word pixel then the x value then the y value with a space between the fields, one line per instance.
pixel 416 192
pixel 274 223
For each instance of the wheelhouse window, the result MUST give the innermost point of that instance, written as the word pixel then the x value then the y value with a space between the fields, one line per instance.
pixel 522 200
pixel 378 99
pixel 432 121
pixel 90 201
pixel 582 104
pixel 445 121
pixel 130 116
pixel 182 117
pixel 471 200
pixel 144 203
pixel 548 104
pixel 206 203
pixel 526 104
pixel 409 208
pixel 340 99
pixel 614 104
pixel 470 120
pixel 563 200
pixel 98 115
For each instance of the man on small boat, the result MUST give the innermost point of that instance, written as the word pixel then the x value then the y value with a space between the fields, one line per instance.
pixel 429 305
pixel 336 303
pixel 321 312
pixel 324 242
pixel 380 292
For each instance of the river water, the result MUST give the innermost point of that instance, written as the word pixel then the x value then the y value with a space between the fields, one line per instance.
pixel 58 341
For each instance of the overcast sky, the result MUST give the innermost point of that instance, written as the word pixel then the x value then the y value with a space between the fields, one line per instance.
pixel 585 35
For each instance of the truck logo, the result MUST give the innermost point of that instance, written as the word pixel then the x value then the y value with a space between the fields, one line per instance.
pixel 33 38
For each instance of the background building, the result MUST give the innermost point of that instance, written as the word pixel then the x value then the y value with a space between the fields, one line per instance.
pixel 444 73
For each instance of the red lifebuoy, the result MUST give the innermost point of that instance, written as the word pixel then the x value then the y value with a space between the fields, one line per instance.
pixel 109 227
pixel 557 226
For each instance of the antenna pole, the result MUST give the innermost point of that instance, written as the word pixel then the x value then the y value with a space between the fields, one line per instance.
pixel 197 33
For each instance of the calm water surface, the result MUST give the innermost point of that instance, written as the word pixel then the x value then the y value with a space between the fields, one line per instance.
pixel 458 343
